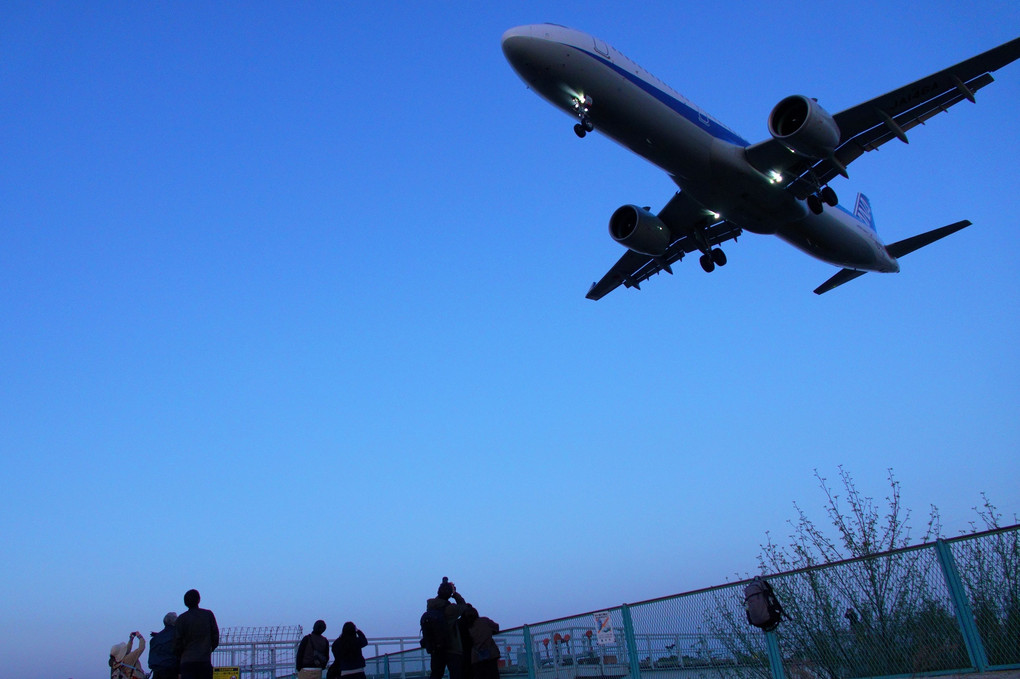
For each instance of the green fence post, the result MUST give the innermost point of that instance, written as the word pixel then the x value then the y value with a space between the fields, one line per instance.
pixel 775 657
pixel 964 616
pixel 528 650
pixel 628 633
pixel 386 666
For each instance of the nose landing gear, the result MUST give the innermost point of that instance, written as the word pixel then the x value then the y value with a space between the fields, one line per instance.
pixel 581 107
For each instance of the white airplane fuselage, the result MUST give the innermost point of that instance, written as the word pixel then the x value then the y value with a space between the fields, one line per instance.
pixel 704 157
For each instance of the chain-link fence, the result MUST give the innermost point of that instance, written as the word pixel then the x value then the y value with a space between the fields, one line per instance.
pixel 948 607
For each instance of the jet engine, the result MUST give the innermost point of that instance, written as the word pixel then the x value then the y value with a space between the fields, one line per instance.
pixel 639 230
pixel 804 127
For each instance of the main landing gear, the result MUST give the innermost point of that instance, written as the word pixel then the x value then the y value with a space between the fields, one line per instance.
pixel 581 107
pixel 712 258
pixel 826 195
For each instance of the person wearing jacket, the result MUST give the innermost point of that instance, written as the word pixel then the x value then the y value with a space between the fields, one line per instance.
pixel 313 653
pixel 196 636
pixel 348 661
pixel 451 656
pixel 484 650
pixel 162 660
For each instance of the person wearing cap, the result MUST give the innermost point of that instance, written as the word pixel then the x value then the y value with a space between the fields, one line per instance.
pixel 196 636
pixel 313 652
pixel 451 656
pixel 162 660
pixel 124 663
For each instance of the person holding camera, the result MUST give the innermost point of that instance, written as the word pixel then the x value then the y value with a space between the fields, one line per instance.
pixel 449 653
pixel 124 662
pixel 348 660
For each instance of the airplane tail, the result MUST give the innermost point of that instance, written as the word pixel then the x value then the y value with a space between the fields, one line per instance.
pixel 863 212
pixel 897 249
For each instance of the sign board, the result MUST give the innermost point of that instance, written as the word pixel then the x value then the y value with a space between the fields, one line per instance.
pixel 226 672
pixel 604 628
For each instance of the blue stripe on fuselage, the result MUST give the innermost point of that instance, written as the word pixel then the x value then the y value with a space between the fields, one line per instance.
pixel 714 128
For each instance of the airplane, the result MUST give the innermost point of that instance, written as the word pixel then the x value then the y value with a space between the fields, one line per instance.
pixel 727 185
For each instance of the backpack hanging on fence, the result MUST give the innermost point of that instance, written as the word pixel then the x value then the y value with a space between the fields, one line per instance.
pixel 434 631
pixel 762 606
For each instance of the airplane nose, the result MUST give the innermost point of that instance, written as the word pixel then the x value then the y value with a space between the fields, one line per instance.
pixel 515 42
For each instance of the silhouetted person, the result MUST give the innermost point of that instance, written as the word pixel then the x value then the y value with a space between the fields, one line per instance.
pixel 450 656
pixel 348 661
pixel 162 660
pixel 313 652
pixel 465 643
pixel 484 650
pixel 197 636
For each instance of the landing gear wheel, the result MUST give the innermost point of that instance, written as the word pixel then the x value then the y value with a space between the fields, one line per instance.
pixel 719 257
pixel 829 197
pixel 814 204
pixel 706 263
pixel 581 107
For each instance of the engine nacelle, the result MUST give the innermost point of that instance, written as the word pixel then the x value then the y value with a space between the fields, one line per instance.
pixel 804 127
pixel 639 230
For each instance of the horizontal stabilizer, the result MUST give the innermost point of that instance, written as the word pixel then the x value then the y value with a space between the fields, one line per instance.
pixel 897 250
pixel 908 245
pixel 844 276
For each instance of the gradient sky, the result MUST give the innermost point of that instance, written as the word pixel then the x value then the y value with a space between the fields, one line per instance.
pixel 292 311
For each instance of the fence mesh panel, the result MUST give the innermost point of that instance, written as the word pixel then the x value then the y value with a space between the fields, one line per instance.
pixel 570 647
pixel 885 615
pixel 988 567
pixel 698 636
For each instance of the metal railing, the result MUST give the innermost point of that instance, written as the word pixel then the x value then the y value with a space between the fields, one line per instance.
pixel 947 607
pixel 260 652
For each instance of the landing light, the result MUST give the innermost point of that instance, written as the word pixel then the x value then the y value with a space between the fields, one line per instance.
pixel 775 177
pixel 569 91
pixel 581 102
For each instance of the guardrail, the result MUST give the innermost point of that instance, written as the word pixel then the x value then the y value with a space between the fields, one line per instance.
pixel 947 607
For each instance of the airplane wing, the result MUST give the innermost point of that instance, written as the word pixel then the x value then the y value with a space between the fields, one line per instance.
pixel 685 218
pixel 867 126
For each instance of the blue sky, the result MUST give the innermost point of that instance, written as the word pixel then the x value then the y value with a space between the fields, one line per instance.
pixel 292 302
